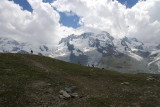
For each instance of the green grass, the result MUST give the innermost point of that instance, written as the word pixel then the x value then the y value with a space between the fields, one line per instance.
pixel 14 75
pixel 24 82
pixel 99 102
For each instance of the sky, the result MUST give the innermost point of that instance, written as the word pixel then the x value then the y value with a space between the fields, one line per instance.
pixel 72 19
pixel 47 21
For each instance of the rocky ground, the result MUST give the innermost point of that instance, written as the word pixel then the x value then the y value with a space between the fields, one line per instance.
pixel 37 81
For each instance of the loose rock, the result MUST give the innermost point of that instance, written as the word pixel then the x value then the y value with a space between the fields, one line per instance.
pixel 150 78
pixel 61 92
pixel 68 90
pixel 68 93
pixel 61 96
pixel 125 83
pixel 74 95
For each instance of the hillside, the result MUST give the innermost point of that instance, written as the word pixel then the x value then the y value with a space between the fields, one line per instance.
pixel 126 55
pixel 35 81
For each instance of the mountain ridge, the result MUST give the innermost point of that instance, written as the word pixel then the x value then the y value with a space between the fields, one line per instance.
pixel 101 50
pixel 104 45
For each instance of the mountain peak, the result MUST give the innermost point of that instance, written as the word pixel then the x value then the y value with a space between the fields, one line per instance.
pixel 102 50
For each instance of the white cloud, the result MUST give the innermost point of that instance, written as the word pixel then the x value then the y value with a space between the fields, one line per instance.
pixel 141 21
pixel 145 19
pixel 38 26
pixel 97 14
pixel 42 25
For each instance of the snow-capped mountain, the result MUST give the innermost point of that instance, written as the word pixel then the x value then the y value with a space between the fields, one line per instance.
pixel 8 45
pixel 101 50
pixel 154 61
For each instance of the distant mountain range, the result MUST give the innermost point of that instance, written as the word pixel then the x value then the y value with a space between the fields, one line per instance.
pixel 101 50
pixel 8 45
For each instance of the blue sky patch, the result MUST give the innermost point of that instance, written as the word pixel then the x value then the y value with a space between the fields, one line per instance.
pixel 48 1
pixel 69 19
pixel 128 3
pixel 24 4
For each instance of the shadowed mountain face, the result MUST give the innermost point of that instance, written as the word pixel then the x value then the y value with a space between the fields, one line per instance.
pixel 101 50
